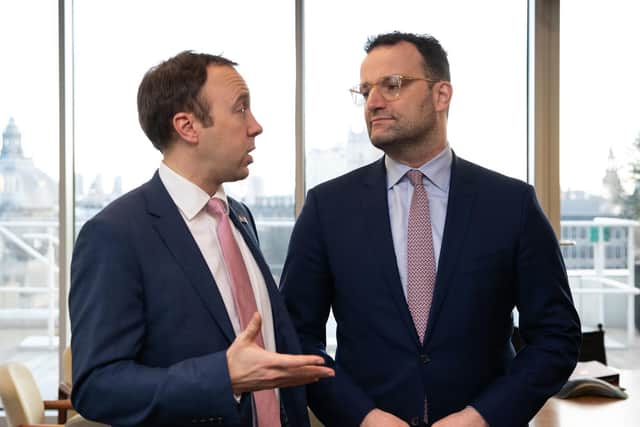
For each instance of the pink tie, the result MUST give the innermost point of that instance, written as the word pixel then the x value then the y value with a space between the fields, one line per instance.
pixel 266 404
pixel 421 264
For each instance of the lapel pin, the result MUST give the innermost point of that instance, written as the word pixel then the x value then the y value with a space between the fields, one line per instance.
pixel 243 219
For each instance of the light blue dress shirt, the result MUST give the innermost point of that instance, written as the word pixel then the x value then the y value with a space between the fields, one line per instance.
pixel 437 174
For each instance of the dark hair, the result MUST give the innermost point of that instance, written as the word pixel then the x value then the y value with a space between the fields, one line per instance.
pixel 171 87
pixel 434 56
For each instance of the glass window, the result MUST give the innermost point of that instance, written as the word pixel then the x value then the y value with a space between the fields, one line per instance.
pixel 489 77
pixel 600 135
pixel 29 189
pixel 112 153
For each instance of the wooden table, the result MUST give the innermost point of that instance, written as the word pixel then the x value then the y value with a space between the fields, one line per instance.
pixel 594 411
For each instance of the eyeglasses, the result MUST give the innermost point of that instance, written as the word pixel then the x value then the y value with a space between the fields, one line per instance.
pixel 388 87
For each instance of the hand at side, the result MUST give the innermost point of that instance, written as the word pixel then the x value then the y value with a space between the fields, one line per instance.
pixel 468 417
pixel 379 418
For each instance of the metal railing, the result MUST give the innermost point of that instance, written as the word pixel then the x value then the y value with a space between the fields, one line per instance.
pixel 594 273
pixel 611 272
pixel 38 241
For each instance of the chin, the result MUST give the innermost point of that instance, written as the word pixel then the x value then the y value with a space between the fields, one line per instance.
pixel 242 174
pixel 381 143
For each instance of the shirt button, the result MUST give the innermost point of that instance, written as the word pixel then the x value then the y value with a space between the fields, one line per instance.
pixel 424 358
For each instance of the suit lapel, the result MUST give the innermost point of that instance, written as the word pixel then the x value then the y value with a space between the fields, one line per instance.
pixel 459 210
pixel 173 231
pixel 376 205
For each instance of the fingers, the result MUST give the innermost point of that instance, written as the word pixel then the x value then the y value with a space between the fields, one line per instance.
pixel 285 361
pixel 282 378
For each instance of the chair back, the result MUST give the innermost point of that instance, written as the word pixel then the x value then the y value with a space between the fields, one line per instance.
pixel 592 346
pixel 20 395
pixel 67 377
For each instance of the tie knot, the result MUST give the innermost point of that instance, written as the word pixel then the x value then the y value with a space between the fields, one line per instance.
pixel 216 207
pixel 415 177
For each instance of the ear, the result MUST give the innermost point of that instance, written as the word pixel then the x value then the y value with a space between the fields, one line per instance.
pixel 185 127
pixel 442 92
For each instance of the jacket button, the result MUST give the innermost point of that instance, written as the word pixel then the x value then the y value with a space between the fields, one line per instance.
pixel 424 358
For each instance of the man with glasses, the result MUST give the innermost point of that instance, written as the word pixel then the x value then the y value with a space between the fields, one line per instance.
pixel 422 256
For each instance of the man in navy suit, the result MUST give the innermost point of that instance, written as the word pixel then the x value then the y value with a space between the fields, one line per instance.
pixel 422 286
pixel 158 336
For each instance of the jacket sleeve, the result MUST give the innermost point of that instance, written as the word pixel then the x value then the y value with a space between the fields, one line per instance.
pixel 548 324
pixel 307 287
pixel 108 322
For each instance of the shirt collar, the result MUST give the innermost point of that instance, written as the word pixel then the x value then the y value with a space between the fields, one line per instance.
pixel 437 170
pixel 189 198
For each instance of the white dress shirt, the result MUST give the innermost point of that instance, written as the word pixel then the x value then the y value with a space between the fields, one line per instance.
pixel 192 201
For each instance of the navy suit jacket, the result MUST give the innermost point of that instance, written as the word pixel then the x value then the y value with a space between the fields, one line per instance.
pixel 149 327
pixel 498 252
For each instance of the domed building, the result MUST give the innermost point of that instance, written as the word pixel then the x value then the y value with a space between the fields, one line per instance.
pixel 25 191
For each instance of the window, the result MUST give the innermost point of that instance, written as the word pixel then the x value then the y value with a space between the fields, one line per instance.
pixel 600 138
pixel 489 73
pixel 112 153
pixel 29 188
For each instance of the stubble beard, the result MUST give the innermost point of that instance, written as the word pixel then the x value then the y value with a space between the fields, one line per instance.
pixel 399 141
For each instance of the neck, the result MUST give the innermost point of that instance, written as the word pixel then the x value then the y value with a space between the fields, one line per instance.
pixel 193 171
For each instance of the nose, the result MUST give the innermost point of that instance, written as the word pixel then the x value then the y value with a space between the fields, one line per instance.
pixel 255 128
pixel 375 101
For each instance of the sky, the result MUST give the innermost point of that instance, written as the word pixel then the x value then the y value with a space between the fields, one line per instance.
pixel 115 42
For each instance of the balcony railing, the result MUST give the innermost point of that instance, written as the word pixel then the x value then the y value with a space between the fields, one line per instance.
pixel 601 263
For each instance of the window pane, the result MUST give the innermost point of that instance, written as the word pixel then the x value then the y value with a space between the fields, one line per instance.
pixel 488 114
pixel 600 152
pixel 112 153
pixel 29 189
pixel 487 120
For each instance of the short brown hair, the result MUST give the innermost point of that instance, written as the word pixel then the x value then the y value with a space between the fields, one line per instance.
pixel 171 87
pixel 434 56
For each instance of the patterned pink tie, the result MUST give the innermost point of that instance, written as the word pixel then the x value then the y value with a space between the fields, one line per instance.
pixel 266 403
pixel 421 264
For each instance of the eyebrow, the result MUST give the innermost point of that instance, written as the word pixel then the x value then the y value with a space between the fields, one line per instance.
pixel 242 97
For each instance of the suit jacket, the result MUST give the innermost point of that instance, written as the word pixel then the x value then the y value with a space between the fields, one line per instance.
pixel 498 252
pixel 149 327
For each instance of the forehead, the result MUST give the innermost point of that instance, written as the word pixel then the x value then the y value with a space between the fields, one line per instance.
pixel 401 58
pixel 224 83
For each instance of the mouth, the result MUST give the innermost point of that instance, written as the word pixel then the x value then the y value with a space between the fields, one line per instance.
pixel 380 120
pixel 249 156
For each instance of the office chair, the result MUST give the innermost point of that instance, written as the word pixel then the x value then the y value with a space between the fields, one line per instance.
pixel 592 347
pixel 64 392
pixel 21 397
pixel 23 404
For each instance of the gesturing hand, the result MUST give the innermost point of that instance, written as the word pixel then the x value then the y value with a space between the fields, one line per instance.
pixel 253 368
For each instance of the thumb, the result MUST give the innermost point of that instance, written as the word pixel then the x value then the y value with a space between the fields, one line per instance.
pixel 251 331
